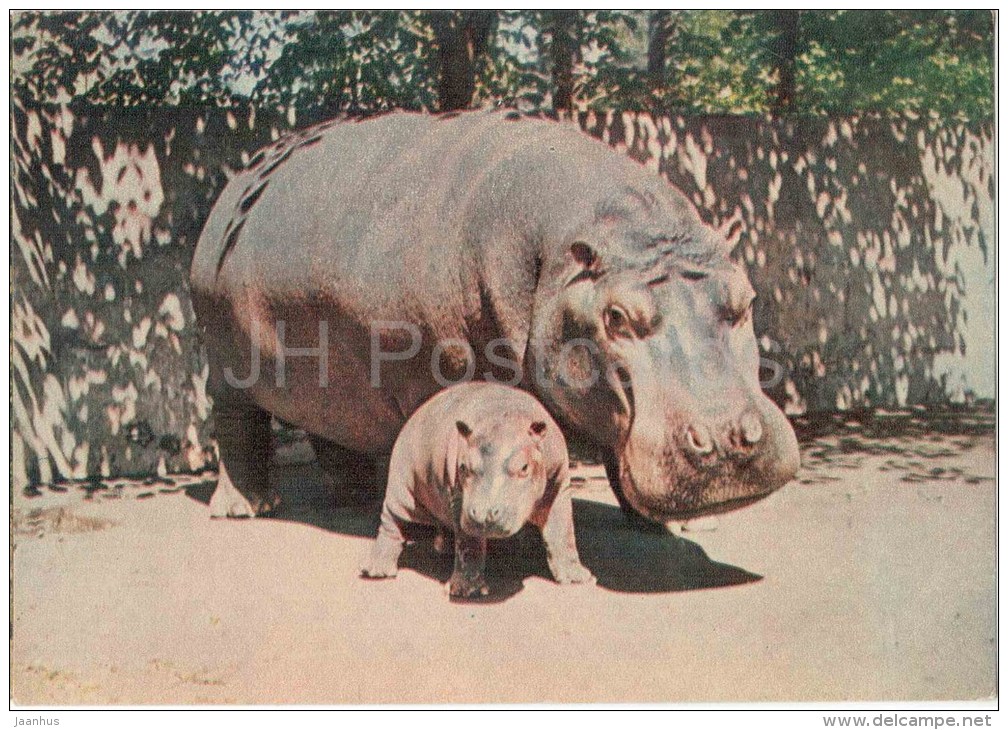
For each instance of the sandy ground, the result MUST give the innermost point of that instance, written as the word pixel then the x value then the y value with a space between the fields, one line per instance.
pixel 871 577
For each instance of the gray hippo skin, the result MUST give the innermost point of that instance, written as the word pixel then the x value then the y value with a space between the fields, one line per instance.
pixel 563 265
pixel 481 460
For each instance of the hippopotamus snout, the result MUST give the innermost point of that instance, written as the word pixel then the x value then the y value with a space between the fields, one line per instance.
pixel 712 463
pixel 708 442
pixel 496 506
pixel 491 520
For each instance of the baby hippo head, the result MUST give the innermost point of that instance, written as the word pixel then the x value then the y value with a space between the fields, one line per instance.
pixel 501 474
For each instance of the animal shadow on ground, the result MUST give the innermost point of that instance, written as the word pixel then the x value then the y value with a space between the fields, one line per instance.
pixel 304 499
pixel 627 560
pixel 621 558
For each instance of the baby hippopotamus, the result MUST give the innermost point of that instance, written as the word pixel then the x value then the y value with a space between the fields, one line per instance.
pixel 480 459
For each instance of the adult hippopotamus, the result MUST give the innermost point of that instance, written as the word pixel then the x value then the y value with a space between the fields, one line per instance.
pixel 355 269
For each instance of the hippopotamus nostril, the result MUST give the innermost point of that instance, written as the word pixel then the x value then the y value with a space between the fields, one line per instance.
pixel 699 440
pixel 751 428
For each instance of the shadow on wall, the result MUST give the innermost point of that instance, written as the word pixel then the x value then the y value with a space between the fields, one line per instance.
pixel 848 238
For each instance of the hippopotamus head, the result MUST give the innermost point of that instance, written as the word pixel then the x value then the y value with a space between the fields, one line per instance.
pixel 502 475
pixel 643 340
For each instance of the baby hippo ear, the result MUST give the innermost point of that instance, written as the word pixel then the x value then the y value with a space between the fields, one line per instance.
pixel 463 429
pixel 537 430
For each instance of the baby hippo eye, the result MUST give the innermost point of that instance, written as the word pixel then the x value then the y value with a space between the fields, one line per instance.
pixel 524 470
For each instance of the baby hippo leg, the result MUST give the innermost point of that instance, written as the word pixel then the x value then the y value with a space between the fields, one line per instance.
pixel 384 559
pixel 442 540
pixel 467 580
pixel 557 528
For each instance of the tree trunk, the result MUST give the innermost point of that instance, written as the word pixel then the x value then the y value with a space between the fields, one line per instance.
pixel 784 49
pixel 565 32
pixel 659 33
pixel 462 37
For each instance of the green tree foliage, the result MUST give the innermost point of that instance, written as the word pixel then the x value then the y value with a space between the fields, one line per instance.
pixel 907 60
pixel 700 61
pixel 135 57
pixel 353 61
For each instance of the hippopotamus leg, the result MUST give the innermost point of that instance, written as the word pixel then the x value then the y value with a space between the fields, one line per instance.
pixel 354 478
pixel 467 579
pixel 557 527
pixel 383 561
pixel 442 539
pixel 243 437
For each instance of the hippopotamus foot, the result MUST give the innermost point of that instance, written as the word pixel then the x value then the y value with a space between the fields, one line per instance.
pixel 383 562
pixel 228 501
pixel 468 581
pixel 243 436
pixel 463 588
pixel 570 571
pixel 380 564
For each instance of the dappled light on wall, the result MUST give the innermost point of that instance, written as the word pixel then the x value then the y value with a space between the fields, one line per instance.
pixel 852 229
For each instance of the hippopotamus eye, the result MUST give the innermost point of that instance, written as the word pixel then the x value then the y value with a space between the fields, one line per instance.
pixel 737 317
pixel 617 323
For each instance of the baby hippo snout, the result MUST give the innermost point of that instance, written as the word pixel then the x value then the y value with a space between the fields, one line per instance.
pixel 488 516
pixel 493 521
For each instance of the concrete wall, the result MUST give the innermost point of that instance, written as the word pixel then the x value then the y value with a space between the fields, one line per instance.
pixel 868 242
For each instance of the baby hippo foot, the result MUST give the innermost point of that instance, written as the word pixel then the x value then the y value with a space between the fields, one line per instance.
pixel 379 566
pixel 227 501
pixel 570 571
pixel 383 562
pixel 467 587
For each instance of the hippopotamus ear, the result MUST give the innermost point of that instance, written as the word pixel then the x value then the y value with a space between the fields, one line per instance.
pixel 537 430
pixel 463 429
pixel 731 232
pixel 587 261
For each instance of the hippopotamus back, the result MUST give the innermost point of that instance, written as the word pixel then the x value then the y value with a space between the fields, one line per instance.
pixel 405 218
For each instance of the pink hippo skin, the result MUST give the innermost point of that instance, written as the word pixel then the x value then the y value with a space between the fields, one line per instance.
pixel 482 460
